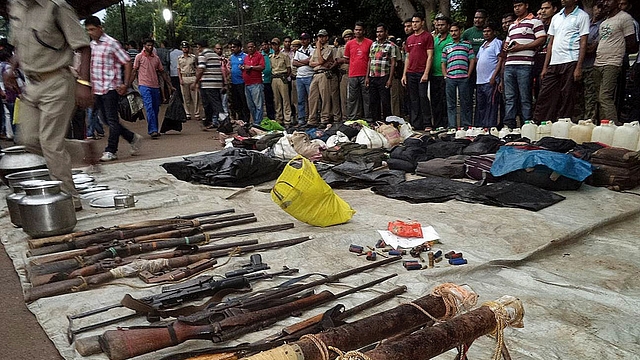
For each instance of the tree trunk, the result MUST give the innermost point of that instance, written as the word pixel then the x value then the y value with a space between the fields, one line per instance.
pixel 429 7
pixel 404 8
pixel 444 7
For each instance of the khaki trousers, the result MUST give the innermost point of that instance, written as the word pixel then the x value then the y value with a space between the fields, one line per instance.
pixel 397 94
pixel 45 113
pixel 190 98
pixel 606 80
pixel 320 91
pixel 344 93
pixel 281 98
pixel 294 94
pixel 336 108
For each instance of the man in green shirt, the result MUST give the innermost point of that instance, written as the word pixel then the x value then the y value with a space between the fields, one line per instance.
pixel 474 36
pixel 437 90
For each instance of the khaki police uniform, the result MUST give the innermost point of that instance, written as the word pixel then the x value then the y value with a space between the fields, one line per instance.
pixel 344 82
pixel 190 98
pixel 280 65
pixel 320 89
pixel 45 34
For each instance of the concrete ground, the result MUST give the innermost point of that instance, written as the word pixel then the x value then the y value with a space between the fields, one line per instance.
pixel 22 337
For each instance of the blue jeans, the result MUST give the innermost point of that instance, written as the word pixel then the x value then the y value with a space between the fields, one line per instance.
pixel 255 100
pixel 94 126
pixel 517 82
pixel 302 86
pixel 462 87
pixel 107 104
pixel 488 100
pixel 151 100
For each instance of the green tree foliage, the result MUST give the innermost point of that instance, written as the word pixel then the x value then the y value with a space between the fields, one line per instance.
pixel 142 18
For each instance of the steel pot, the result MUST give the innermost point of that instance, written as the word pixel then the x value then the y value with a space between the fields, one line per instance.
pixel 16 159
pixel 14 198
pixel 45 210
pixel 17 177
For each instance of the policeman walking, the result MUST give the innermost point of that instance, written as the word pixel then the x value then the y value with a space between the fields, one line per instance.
pixel 45 34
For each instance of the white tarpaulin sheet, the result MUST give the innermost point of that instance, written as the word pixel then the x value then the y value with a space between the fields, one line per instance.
pixel 574 265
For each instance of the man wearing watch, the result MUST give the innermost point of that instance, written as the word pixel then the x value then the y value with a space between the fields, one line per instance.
pixel 45 35
pixel 252 75
pixel 107 57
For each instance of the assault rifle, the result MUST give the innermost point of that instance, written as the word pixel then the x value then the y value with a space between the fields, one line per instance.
pixel 323 321
pixel 166 303
pixel 65 266
pixel 180 219
pixel 133 266
pixel 148 233
pixel 125 343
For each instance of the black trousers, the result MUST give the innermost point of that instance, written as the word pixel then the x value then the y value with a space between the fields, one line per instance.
pixel 212 103
pixel 239 108
pixel 379 95
pixel 420 105
pixel 438 101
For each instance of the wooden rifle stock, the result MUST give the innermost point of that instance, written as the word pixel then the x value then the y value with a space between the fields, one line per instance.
pixel 36 243
pixel 126 343
pixel 186 228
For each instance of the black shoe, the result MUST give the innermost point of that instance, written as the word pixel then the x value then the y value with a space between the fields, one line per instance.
pixel 155 135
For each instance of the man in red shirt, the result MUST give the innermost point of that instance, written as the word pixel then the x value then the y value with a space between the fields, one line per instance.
pixel 147 67
pixel 356 54
pixel 419 47
pixel 252 76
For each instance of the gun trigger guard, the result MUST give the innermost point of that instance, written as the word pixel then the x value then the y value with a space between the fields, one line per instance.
pixel 329 316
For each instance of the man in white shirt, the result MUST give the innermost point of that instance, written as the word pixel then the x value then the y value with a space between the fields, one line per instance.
pixel 562 68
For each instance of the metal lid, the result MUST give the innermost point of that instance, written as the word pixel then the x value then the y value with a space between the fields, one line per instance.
pixel 40 184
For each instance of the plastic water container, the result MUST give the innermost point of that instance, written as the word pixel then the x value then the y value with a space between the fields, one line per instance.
pixel 461 134
pixel 470 132
pixel 560 129
pixel 530 130
pixel 626 136
pixel 544 129
pixel 504 132
pixel 604 133
pixel 494 131
pixel 581 133
pixel 516 131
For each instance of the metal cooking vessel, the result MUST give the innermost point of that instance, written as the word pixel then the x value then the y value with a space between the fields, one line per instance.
pixel 16 158
pixel 45 210
pixel 17 177
pixel 14 198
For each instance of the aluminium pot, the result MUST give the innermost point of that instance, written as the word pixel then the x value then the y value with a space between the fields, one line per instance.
pixel 14 198
pixel 45 210
pixel 16 159
pixel 17 177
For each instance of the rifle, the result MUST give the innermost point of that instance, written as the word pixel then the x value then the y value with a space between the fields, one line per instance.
pixel 36 243
pixel 323 321
pixel 65 266
pixel 148 233
pixel 125 343
pixel 164 304
pixel 89 277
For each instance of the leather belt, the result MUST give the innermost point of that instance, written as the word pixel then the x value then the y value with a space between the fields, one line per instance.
pixel 42 76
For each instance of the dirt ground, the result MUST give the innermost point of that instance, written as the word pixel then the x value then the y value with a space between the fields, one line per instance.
pixel 22 337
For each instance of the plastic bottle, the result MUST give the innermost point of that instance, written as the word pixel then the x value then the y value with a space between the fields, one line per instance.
pixel 494 131
pixel 626 136
pixel 470 132
pixel 604 133
pixel 516 131
pixel 530 130
pixel 544 129
pixel 581 133
pixel 504 132
pixel 461 134
pixel 560 129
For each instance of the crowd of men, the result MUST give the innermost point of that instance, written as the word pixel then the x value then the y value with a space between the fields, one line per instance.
pixel 564 62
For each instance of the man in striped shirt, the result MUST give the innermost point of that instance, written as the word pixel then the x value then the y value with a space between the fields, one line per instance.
pixel 458 61
pixel 526 34
pixel 209 78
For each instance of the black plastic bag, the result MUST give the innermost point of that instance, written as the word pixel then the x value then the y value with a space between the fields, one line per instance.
pixel 130 106
pixel 175 115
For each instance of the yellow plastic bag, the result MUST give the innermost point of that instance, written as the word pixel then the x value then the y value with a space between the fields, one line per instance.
pixel 16 111
pixel 303 194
